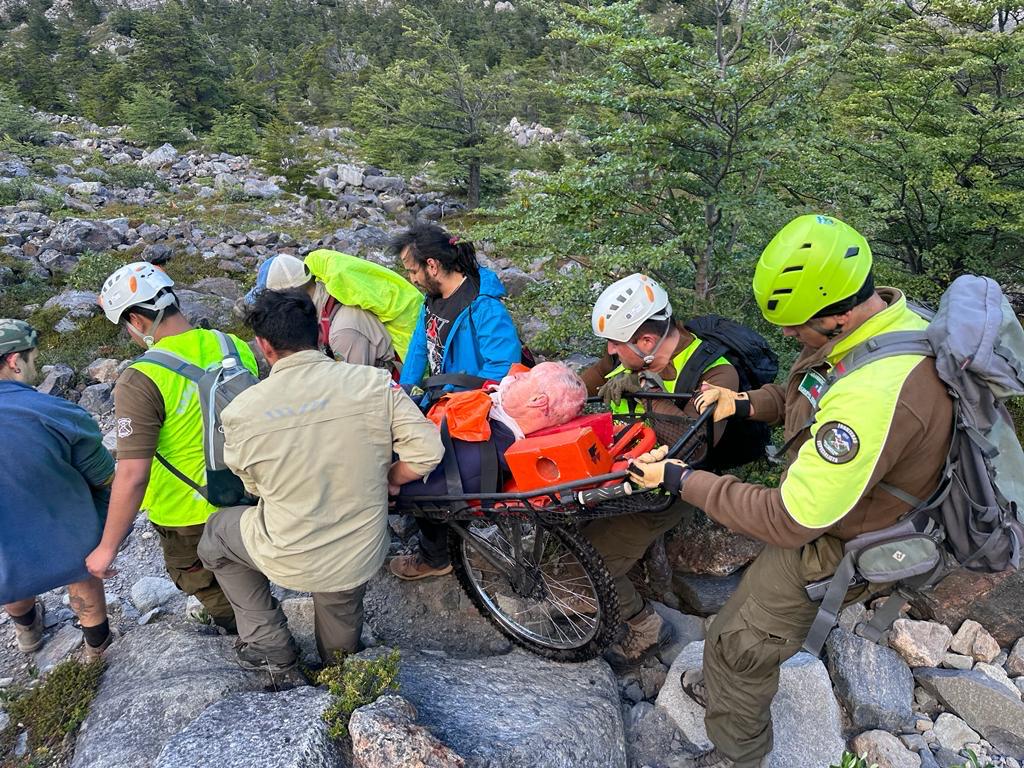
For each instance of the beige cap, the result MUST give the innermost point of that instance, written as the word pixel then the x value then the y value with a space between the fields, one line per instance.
pixel 287 272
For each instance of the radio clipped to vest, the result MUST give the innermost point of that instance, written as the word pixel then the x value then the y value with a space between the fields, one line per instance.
pixel 975 517
pixel 217 386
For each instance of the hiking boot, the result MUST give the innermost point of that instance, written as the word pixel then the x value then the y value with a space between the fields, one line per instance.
pixel 646 634
pixel 257 661
pixel 90 654
pixel 692 681
pixel 413 567
pixel 715 759
pixel 30 638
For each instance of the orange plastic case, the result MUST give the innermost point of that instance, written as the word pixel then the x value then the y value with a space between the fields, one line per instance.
pixel 574 454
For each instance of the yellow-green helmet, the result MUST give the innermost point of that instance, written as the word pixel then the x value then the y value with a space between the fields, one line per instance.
pixel 812 264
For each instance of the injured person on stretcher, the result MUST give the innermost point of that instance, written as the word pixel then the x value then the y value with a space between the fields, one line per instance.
pixel 478 427
pixel 524 433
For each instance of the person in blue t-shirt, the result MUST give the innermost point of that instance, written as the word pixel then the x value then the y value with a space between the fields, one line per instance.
pixel 463 327
pixel 54 490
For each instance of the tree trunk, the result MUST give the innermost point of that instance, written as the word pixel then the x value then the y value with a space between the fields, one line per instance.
pixel 473 192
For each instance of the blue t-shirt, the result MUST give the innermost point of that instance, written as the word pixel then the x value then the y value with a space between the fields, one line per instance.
pixel 53 501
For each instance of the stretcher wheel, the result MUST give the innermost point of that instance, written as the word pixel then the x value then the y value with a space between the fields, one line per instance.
pixel 543 587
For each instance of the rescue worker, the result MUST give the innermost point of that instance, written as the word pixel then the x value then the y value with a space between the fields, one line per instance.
pixel 158 417
pixel 365 312
pixel 646 349
pixel 888 424
pixel 321 523
pixel 55 480
pixel 463 327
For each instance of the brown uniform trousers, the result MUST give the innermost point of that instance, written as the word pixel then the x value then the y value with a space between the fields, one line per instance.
pixel 337 616
pixel 188 574
pixel 763 624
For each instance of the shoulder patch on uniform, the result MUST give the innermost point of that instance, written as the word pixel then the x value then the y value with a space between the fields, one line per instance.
pixel 837 442
pixel 124 427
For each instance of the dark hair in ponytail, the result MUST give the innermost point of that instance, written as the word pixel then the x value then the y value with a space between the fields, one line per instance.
pixel 429 241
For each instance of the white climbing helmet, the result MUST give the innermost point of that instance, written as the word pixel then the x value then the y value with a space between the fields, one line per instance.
pixel 626 304
pixel 138 284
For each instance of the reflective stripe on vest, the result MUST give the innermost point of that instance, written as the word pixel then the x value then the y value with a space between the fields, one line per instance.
pixel 168 500
pixel 678 362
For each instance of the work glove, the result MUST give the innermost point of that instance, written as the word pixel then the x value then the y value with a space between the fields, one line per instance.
pixel 727 403
pixel 653 470
pixel 636 381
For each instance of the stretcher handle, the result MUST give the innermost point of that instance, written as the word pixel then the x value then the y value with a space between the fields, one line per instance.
pixel 704 421
pixel 594 496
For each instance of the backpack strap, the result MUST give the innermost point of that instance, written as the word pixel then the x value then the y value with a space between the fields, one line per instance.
pixel 173 362
pixel 702 357
pixel 227 348
pixel 867 352
pixel 200 489
pixel 452 478
pixel 324 335
pixel 831 604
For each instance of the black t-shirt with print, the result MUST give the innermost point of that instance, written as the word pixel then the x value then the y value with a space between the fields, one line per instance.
pixel 440 314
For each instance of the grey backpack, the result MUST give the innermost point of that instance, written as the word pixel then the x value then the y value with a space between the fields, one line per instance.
pixel 975 517
pixel 218 386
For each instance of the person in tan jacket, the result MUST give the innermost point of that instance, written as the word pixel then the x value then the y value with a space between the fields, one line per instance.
pixel 314 441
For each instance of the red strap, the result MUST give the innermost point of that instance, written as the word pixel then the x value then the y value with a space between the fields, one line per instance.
pixel 325 322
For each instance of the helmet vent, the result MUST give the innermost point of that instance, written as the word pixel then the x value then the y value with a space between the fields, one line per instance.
pixel 772 304
pixel 853 250
pixel 781 291
pixel 807 245
pixel 796 268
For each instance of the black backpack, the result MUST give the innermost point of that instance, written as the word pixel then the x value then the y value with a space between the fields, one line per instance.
pixel 744 440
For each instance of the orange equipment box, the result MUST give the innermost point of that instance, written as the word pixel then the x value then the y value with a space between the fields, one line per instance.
pixel 562 457
pixel 601 423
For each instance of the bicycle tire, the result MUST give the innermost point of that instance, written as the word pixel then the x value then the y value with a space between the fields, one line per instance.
pixel 607 618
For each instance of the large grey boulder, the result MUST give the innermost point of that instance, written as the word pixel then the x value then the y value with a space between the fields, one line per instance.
pixel 257 730
pixel 983 703
pixel 873 683
pixel 384 183
pixel 159 157
pixel 157 681
pixel 205 308
pixel 74 236
pixel 806 717
pixel 518 710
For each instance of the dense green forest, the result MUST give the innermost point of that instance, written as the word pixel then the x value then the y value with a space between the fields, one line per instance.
pixel 693 129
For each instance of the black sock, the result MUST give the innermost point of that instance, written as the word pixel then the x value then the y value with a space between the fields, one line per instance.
pixel 26 619
pixel 97 636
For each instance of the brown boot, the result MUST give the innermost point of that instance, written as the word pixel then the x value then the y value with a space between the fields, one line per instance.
pixel 412 567
pixel 90 654
pixel 646 634
pixel 30 638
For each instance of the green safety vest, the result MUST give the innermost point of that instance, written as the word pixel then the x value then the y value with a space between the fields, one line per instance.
pixel 678 362
pixel 833 468
pixel 360 283
pixel 169 501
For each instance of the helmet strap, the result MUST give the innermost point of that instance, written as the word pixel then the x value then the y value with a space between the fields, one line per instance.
pixel 649 358
pixel 149 337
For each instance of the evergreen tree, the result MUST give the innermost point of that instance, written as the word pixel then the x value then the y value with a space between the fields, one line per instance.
pixel 233 132
pixel 152 116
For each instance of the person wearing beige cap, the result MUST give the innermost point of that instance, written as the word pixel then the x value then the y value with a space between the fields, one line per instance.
pixel 359 322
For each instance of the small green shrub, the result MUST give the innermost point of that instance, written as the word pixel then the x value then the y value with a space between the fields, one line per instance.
pixel 93 268
pixel 850 760
pixel 973 761
pixel 14 191
pixel 354 683
pixel 185 268
pixel 51 712
pixel 18 123
pixel 153 117
pixel 234 132
pixel 126 176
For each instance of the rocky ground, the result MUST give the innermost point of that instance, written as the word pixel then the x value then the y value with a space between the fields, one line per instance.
pixel 945 681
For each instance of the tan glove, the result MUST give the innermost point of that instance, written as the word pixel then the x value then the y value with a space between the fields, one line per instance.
pixel 653 470
pixel 615 389
pixel 727 403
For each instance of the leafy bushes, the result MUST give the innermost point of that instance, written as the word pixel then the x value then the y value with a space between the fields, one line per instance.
pixel 18 123
pixel 233 132
pixel 354 683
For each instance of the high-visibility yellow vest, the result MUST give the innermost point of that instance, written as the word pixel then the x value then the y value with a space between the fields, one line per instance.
pixel 678 362
pixel 168 500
